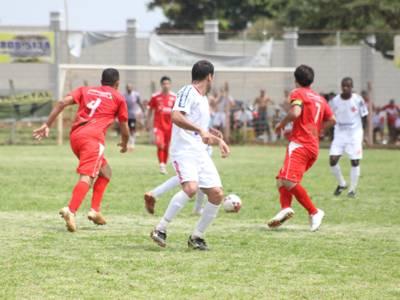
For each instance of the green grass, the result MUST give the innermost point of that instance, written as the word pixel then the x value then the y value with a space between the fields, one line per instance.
pixel 355 255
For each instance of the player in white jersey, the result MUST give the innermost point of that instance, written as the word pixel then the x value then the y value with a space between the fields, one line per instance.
pixel 193 165
pixel 351 112
pixel 150 197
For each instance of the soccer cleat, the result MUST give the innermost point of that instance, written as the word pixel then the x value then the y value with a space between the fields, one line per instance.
pixel 69 219
pixel 281 217
pixel 339 190
pixel 159 237
pixel 351 194
pixel 197 243
pixel 149 202
pixel 163 169
pixel 96 217
pixel 316 220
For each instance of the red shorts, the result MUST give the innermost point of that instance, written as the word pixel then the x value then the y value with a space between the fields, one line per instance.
pixel 162 137
pixel 90 153
pixel 297 161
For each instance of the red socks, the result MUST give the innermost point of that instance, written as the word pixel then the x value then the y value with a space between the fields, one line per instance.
pixel 166 154
pixel 285 197
pixel 98 191
pixel 301 195
pixel 78 194
pixel 81 189
pixel 162 155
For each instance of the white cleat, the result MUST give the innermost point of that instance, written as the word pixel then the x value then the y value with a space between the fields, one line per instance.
pixel 96 217
pixel 163 169
pixel 281 217
pixel 316 220
pixel 69 219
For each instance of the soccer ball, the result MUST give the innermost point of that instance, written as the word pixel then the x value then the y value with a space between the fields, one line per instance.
pixel 232 203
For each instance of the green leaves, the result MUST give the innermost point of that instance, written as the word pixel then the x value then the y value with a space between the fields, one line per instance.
pixel 362 16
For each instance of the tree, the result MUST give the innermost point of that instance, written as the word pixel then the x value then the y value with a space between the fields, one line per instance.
pixel 190 15
pixel 361 16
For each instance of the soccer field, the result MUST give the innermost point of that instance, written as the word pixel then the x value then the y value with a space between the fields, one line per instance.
pixel 355 255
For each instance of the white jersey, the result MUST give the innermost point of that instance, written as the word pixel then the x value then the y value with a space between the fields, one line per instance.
pixel 196 107
pixel 349 114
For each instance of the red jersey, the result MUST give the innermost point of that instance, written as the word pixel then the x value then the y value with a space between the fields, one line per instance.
pixel 315 110
pixel 98 108
pixel 391 113
pixel 162 105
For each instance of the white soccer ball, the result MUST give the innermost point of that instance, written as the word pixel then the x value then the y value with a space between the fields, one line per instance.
pixel 232 203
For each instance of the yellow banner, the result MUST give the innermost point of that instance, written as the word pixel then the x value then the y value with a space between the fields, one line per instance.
pixel 26 47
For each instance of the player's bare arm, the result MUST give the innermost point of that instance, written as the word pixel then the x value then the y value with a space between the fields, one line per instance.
pixel 43 131
pixel 148 118
pixel 179 119
pixel 329 123
pixel 216 132
pixel 124 136
pixel 293 114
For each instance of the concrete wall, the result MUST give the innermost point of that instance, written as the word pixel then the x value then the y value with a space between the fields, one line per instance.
pixel 330 64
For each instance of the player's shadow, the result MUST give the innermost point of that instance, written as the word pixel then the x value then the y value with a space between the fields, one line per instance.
pixel 148 247
pixel 91 228
pixel 62 228
pixel 286 229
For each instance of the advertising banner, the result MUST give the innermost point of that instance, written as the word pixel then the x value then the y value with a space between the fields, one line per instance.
pixel 25 47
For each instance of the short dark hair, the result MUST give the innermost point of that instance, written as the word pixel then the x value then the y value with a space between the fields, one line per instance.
pixel 164 78
pixel 304 75
pixel 201 70
pixel 109 77
pixel 347 79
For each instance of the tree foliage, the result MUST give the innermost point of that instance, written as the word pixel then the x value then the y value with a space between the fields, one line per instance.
pixel 190 15
pixel 362 16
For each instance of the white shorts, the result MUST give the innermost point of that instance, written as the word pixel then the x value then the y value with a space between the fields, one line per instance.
pixel 200 169
pixel 353 148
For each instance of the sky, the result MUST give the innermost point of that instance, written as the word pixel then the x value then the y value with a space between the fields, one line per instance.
pixel 87 15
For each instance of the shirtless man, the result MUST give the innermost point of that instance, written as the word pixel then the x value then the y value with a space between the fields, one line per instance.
pixel 261 104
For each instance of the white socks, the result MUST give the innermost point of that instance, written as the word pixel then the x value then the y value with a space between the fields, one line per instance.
pixel 198 204
pixel 337 172
pixel 131 141
pixel 210 211
pixel 177 202
pixel 354 174
pixel 165 186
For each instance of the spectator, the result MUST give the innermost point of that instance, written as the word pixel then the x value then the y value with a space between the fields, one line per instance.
pixel 378 125
pixel 213 101
pixel 223 107
pixel 242 117
pixel 276 118
pixel 391 110
pixel 132 99
pixel 262 123
pixel 397 129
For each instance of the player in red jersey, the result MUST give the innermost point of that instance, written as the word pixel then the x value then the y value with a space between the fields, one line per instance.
pixel 97 109
pixel 161 103
pixel 310 113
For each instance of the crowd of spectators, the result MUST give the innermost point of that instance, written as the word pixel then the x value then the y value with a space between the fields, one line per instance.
pixel 248 121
